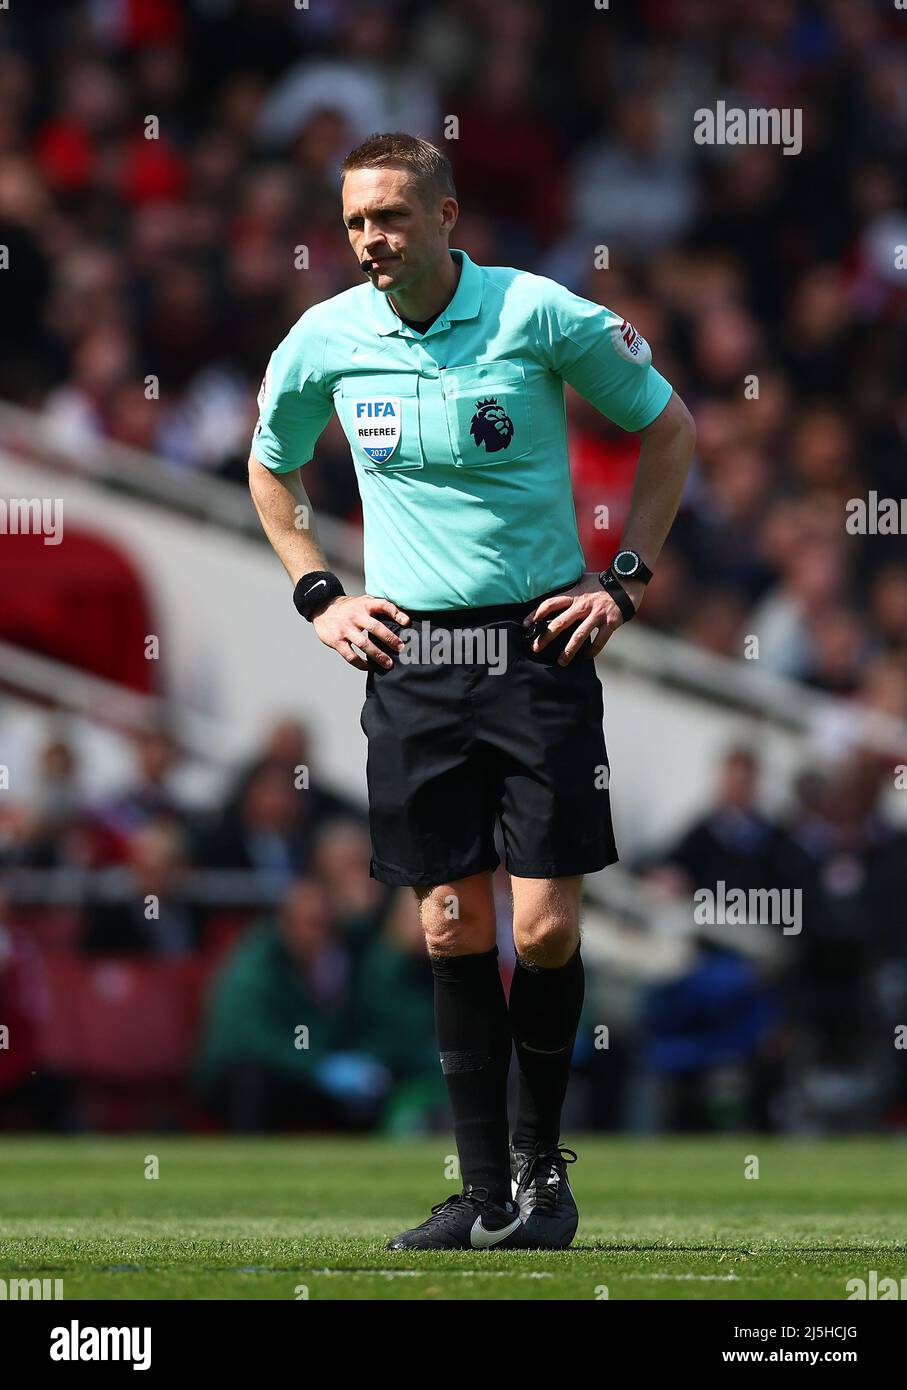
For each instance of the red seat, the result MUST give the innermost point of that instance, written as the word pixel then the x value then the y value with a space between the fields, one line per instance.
pixel 82 603
pixel 116 1019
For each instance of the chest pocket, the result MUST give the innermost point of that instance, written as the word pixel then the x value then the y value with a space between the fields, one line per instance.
pixel 488 413
pixel 380 418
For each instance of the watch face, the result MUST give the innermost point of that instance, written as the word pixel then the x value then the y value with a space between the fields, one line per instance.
pixel 625 563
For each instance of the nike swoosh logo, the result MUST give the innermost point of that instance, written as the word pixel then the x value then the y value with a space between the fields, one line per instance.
pixel 315 586
pixel 545 1051
pixel 480 1239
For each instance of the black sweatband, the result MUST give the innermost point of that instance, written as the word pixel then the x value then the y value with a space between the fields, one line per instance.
pixel 315 589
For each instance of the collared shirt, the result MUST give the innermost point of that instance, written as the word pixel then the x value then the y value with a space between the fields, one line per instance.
pixel 458 435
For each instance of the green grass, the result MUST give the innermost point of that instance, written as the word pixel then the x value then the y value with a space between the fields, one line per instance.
pixel 256 1218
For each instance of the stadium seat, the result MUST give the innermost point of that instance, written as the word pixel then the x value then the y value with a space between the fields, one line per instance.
pixel 114 1019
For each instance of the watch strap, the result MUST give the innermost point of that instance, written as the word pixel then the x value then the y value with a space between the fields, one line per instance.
pixel 612 585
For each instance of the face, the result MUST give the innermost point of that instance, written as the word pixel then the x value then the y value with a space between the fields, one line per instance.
pixel 268 803
pixel 738 782
pixel 305 921
pixel 343 854
pixel 388 223
pixel 154 853
pixel 156 755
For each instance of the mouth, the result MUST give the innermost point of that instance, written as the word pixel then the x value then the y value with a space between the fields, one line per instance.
pixel 379 264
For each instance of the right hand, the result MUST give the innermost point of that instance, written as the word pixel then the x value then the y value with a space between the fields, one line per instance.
pixel 350 619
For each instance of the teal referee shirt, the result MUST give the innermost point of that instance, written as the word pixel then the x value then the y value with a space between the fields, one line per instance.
pixel 458 435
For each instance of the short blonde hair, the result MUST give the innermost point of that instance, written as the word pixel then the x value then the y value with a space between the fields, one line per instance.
pixel 429 166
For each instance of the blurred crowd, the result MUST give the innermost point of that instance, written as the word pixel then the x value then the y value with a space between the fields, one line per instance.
pixel 264 892
pixel 308 1001
pixel 806 1026
pixel 154 265
pixel 770 286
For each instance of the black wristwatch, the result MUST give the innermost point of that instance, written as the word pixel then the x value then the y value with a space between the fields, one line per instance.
pixel 627 564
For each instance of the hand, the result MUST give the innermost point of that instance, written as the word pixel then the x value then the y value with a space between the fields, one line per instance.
pixel 589 607
pixel 347 620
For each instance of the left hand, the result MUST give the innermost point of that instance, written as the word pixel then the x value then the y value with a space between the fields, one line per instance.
pixel 589 607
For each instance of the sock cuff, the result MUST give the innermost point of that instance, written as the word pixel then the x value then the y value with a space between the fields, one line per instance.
pixel 532 969
pixel 456 968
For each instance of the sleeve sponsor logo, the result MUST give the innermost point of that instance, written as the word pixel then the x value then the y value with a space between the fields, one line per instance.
pixel 630 343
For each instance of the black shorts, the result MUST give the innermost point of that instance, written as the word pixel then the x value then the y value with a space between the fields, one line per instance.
pixel 481 731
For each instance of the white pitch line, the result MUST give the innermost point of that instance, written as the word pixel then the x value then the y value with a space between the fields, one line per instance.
pixel 436 1273
pixel 701 1278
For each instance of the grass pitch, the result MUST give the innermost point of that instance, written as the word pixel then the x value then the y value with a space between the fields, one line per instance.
pixel 285 1218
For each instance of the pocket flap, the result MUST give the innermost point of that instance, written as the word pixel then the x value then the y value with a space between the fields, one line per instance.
pixel 387 384
pixel 488 413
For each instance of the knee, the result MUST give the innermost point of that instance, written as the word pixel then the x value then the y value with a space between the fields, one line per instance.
pixel 547 940
pixel 454 926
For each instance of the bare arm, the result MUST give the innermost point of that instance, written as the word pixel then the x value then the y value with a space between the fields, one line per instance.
pixel 664 461
pixel 286 515
pixel 661 473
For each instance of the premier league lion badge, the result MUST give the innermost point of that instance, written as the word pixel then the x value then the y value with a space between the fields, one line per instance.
pixel 491 425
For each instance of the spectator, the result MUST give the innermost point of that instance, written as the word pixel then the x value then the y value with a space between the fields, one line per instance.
pixel 340 861
pixel 275 1048
pixel 260 829
pixel 854 882
pixel 152 794
pixel 715 1019
pixel 146 910
pixel 734 841
pixel 395 1017
pixel 32 1096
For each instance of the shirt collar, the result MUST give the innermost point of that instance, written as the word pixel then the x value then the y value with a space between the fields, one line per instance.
pixel 466 302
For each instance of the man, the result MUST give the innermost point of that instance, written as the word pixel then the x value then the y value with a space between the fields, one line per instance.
pixel 448 380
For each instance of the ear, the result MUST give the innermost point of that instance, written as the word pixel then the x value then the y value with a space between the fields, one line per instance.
pixel 450 211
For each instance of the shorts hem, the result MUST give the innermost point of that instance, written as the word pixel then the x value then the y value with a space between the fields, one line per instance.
pixel 567 868
pixel 399 877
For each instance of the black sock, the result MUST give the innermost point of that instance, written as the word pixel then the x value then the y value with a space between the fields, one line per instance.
pixel 545 1006
pixel 475 1044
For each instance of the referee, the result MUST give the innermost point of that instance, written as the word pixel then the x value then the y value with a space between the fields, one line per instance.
pixel 481 701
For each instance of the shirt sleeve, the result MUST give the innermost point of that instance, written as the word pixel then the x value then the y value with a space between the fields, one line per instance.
pixel 294 405
pixel 601 356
